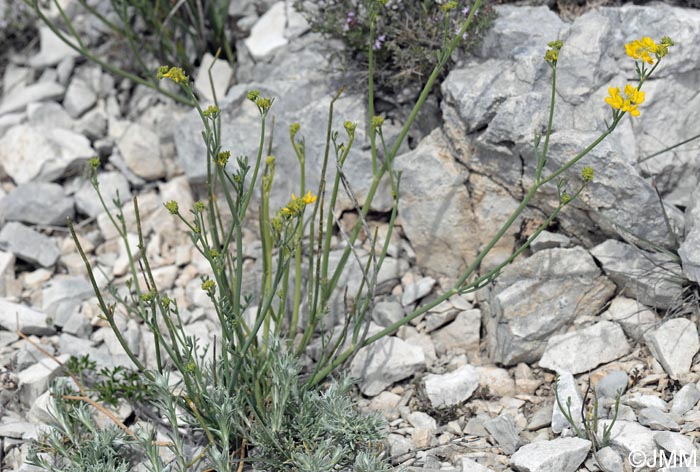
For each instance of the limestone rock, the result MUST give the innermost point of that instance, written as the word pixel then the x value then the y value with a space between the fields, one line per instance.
pixel 636 274
pixel 558 455
pixel 14 316
pixel 453 388
pixel 28 153
pixel 140 148
pixel 386 361
pixel 37 203
pixel 221 75
pixel 539 297
pixel 584 350
pixel 674 344
pixel 28 245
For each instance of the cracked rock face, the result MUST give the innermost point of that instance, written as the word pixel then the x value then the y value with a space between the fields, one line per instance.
pixel 538 297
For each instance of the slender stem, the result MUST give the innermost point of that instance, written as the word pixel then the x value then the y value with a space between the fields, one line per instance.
pixel 542 161
pixel 686 141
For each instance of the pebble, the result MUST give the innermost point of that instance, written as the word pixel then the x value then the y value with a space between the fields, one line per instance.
pixel 612 384
pixel 28 245
pixel 79 98
pixel 452 388
pixel 384 362
pixel 685 399
pixel 140 149
pixel 503 430
pixel 40 203
pixel 657 420
pixel 39 92
pixel 674 344
pixel 558 455
pixel 567 391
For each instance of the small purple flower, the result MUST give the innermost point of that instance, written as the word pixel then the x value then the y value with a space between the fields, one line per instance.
pixel 378 42
pixel 350 20
pixel 466 10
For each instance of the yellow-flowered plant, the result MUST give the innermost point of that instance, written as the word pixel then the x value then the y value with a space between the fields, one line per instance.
pixel 300 277
pixel 644 51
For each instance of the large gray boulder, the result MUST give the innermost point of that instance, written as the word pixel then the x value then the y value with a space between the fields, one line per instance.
pixel 539 297
pixel 495 101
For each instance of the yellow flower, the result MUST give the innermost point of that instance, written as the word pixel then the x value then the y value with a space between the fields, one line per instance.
pixel 308 198
pixel 614 99
pixel 174 73
pixel 642 49
pixel 629 102
pixel 634 95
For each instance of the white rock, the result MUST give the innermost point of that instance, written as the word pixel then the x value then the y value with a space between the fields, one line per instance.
pixel 7 271
pixel 268 33
pixel 608 460
pixel 39 92
pixel 498 381
pixel 420 419
pixel 558 455
pixel 28 245
pixel 386 361
pixel 635 318
pixel 566 389
pixel 399 445
pixel 387 313
pixel 221 75
pixel 140 148
pixel 629 436
pixel 461 336
pixel 79 98
pixel 674 344
pixel 503 430
pixel 469 465
pixel 547 240
pixel 685 399
pixel 29 153
pixel 296 22
pixel 63 295
pixel 612 384
pixel 452 388
pixel 657 420
pixel 49 115
pixel 417 290
pixel 585 349
pixel 40 412
pixel 675 443
pixel 639 402
pixel 37 203
pixel 15 316
pixel 52 49
pixel 385 401
pixel 35 380
pixel 111 183
pixel 641 275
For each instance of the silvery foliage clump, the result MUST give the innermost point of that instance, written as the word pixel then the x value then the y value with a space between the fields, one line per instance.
pixel 302 429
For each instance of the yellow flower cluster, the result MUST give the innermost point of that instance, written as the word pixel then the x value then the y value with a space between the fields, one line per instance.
pixel 552 55
pixel 175 74
pixel 296 205
pixel 633 97
pixel 646 47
